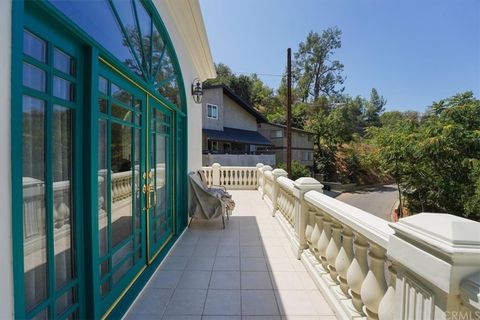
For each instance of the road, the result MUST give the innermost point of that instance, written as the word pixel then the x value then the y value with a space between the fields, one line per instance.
pixel 376 200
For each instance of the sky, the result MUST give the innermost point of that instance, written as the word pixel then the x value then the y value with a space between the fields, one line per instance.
pixel 413 52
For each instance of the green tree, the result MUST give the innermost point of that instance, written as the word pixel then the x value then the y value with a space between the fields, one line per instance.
pixel 315 71
pixel 374 107
pixel 249 88
pixel 436 161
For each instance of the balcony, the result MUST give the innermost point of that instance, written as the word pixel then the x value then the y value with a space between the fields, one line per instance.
pixel 291 252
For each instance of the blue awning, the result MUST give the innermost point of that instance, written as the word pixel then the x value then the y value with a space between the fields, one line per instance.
pixel 237 135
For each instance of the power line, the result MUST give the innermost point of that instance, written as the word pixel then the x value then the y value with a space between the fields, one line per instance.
pixel 259 74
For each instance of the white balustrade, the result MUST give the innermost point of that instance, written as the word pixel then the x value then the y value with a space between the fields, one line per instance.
pixel 268 186
pixel 245 178
pixel 208 174
pixel 286 200
pixel 121 186
pixel 347 252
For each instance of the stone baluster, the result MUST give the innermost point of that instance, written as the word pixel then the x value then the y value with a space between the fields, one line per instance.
pixel 333 249
pixel 374 286
pixel 260 182
pixel 386 308
pixel 344 259
pixel 310 226
pixel 216 174
pixel 265 182
pixel 277 173
pixel 316 232
pixel 324 240
pixel 358 271
pixel 301 209
pixel 114 189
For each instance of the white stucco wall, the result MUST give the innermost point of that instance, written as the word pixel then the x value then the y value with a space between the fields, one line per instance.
pixel 6 260
pixel 189 73
pixel 237 117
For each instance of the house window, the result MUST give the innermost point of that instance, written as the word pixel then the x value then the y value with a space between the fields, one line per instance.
pixel 227 147
pixel 307 156
pixel 212 111
pixel 213 146
pixel 276 133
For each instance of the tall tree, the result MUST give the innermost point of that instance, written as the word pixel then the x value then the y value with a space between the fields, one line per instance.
pixel 315 72
pixel 374 108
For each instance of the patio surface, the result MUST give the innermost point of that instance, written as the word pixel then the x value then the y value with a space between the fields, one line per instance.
pixel 245 271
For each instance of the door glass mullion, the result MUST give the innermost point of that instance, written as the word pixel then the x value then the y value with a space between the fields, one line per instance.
pixel 49 182
pixel 109 196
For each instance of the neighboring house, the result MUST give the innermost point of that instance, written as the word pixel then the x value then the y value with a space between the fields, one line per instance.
pixel 302 143
pixel 97 114
pixel 230 130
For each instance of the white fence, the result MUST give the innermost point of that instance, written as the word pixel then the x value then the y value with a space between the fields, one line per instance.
pixel 243 160
pixel 231 177
pixel 426 266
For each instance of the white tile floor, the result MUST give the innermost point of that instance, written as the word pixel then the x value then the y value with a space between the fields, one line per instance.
pixel 246 271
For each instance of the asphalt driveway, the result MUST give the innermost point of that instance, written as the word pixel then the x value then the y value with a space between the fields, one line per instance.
pixel 377 200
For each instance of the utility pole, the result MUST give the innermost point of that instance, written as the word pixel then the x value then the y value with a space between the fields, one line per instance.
pixel 289 111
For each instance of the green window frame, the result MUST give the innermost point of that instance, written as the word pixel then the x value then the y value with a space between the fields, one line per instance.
pixel 52 82
pixel 46 16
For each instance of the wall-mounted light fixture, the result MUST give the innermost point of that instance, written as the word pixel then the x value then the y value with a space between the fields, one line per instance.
pixel 197 90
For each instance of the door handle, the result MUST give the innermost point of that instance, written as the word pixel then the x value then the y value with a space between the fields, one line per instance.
pixel 147 189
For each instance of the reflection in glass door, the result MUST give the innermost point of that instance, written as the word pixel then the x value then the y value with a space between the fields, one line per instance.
pixel 50 115
pixel 120 202
pixel 160 192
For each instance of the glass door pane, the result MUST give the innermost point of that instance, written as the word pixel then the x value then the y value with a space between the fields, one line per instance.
pixel 161 213
pixel 120 200
pixel 49 210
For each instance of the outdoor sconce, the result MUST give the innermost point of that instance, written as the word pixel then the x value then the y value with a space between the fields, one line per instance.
pixel 197 90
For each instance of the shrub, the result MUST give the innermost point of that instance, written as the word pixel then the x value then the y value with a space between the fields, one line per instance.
pixel 298 170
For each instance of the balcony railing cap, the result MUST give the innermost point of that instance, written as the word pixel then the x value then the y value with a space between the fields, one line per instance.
pixel 448 244
pixel 266 168
pixel 279 173
pixel 308 183
pixel 446 232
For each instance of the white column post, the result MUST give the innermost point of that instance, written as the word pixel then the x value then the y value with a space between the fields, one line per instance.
pixel 302 186
pixel 277 173
pixel 434 254
pixel 216 174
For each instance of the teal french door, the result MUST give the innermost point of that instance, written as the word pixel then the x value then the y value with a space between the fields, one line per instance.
pixel 159 187
pixel 98 158
pixel 120 171
pixel 134 181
